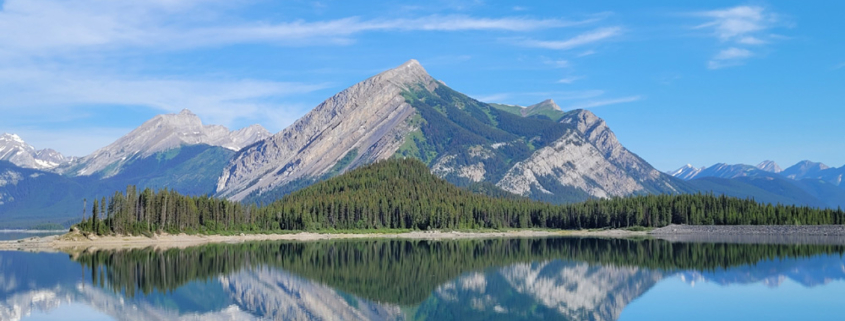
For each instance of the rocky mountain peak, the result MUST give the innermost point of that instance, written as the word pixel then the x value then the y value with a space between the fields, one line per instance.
pixel 584 120
pixel 363 120
pixel 6 137
pixel 804 169
pixel 162 133
pixel 408 74
pixel 18 152
pixel 686 172
pixel 547 104
pixel 811 164
pixel 769 166
pixel 596 132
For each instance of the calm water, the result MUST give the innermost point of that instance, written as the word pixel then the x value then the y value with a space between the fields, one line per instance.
pixel 526 279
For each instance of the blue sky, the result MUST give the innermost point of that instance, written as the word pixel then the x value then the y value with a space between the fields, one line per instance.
pixel 679 82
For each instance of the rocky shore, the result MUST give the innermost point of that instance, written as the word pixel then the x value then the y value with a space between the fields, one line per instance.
pixel 769 234
pixel 827 230
pixel 753 234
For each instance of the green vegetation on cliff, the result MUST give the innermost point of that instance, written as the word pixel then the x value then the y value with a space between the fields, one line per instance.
pixel 464 129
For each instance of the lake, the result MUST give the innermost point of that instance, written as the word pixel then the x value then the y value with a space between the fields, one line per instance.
pixel 498 279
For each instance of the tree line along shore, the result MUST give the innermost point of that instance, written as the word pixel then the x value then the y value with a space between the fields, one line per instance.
pixel 402 194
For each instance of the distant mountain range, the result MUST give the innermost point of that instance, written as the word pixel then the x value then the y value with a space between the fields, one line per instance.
pixel 806 182
pixel 539 152
pixel 169 151
pixel 15 150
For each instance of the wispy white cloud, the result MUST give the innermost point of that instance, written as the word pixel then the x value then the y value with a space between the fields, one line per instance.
pixel 70 142
pixel 556 63
pixel 494 98
pixel 569 80
pixel 729 57
pixel 751 41
pixel 605 102
pixel 738 22
pixel 839 66
pixel 439 61
pixel 535 97
pixel 42 26
pixel 733 53
pixel 586 53
pixel 747 26
pixel 577 41
pixel 59 57
pixel 32 91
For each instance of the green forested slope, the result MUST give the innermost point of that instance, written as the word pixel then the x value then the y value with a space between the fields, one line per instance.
pixel 403 194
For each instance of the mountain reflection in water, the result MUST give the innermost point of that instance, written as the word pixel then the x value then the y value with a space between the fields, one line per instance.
pixel 507 279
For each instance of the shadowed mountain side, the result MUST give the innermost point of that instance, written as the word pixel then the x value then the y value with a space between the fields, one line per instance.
pixel 29 197
pixel 160 134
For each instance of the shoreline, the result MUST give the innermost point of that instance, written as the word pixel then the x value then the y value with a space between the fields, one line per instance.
pixel 74 241
pixel 783 234
pixel 31 231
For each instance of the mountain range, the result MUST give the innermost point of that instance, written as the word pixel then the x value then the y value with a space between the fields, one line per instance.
pixel 15 150
pixel 539 151
pixel 806 182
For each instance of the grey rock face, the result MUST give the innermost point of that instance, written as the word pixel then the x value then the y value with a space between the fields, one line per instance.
pixel 769 166
pixel 163 132
pixel 570 161
pixel 18 152
pixel 589 158
pixel 371 118
pixel 596 131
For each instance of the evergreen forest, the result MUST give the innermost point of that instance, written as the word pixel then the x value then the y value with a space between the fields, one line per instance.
pixel 402 194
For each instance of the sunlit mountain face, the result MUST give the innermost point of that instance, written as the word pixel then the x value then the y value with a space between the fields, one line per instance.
pixel 524 279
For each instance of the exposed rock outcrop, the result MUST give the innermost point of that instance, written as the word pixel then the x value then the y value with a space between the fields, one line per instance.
pixel 597 133
pixel 370 118
pixel 589 158
pixel 769 166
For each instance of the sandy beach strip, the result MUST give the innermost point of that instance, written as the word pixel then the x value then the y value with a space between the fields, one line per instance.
pixel 76 241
